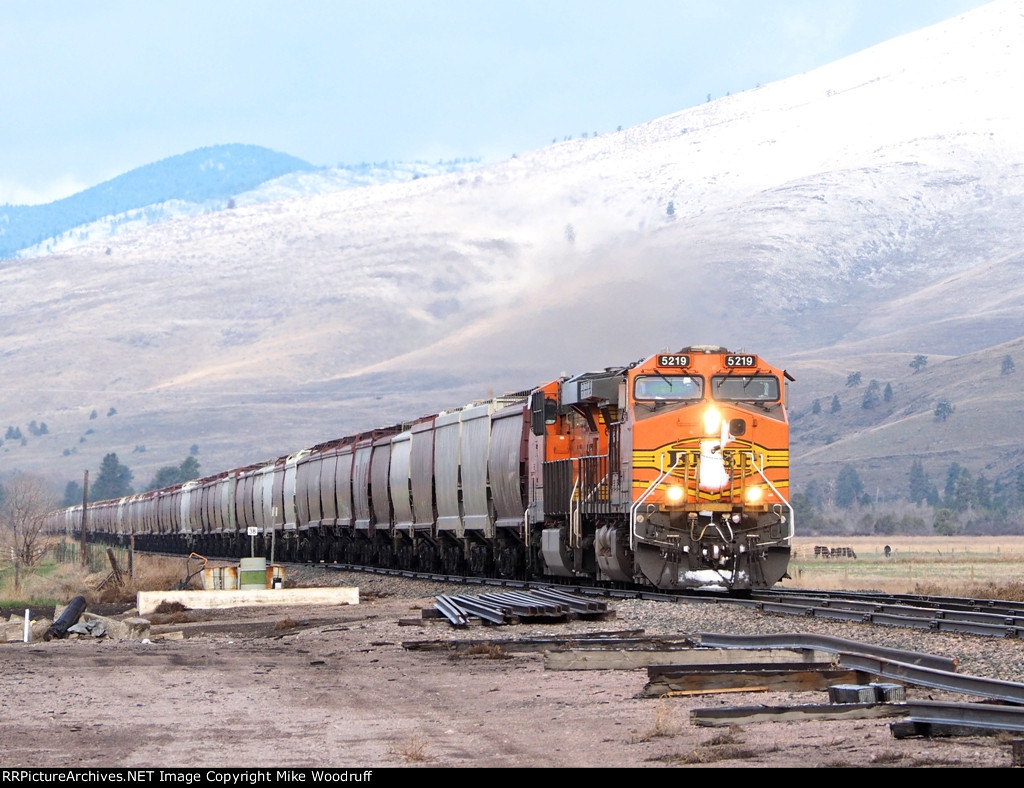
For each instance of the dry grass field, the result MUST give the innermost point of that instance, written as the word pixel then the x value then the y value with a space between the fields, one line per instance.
pixel 57 582
pixel 979 566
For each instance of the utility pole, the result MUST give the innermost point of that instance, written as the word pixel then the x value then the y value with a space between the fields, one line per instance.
pixel 85 518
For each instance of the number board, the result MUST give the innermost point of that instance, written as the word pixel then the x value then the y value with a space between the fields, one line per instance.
pixel 667 360
pixel 740 361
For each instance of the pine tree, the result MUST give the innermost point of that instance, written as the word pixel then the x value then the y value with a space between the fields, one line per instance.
pixel 848 487
pixel 943 410
pixel 114 480
pixel 949 491
pixel 945 522
pixel 189 469
pixel 918 482
pixel 72 494
pixel 964 493
pixel 170 475
pixel 870 396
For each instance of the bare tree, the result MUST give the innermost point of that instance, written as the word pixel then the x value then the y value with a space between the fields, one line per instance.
pixel 26 501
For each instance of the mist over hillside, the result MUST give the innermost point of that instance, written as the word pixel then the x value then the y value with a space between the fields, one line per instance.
pixel 845 220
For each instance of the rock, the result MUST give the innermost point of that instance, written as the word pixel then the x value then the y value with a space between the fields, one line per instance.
pixel 121 629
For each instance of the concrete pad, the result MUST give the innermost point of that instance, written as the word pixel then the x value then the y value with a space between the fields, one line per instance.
pixel 149 601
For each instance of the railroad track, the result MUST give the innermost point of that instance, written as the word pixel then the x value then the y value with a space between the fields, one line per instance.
pixel 981 617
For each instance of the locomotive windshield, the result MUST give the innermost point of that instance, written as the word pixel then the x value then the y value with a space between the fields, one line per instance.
pixel 668 387
pixel 745 388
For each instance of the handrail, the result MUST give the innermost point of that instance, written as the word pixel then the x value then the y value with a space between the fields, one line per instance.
pixel 634 508
pixel 575 526
pixel 774 489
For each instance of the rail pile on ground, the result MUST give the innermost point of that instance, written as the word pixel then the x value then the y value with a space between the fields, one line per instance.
pixel 511 607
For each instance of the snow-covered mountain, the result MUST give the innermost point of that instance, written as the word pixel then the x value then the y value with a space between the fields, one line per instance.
pixel 844 220
pixel 191 184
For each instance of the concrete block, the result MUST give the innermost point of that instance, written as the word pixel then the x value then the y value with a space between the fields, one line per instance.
pixel 149 601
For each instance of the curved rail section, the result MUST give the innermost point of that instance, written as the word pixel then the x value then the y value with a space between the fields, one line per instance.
pixel 923 670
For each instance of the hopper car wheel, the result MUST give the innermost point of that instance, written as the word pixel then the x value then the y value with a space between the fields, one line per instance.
pixel 452 561
pixel 481 563
pixel 510 562
pixel 429 561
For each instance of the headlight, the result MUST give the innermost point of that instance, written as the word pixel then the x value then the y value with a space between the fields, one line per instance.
pixel 754 495
pixel 712 421
pixel 674 493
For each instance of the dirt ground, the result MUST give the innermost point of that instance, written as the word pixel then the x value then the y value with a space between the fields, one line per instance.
pixel 335 687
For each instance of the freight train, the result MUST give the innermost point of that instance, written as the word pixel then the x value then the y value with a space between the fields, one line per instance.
pixel 671 472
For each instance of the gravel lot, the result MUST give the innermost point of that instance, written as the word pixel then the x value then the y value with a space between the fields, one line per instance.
pixel 334 686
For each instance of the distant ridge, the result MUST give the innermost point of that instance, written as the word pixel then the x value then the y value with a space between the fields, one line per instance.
pixel 202 176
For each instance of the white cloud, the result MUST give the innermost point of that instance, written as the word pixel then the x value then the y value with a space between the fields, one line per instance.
pixel 14 193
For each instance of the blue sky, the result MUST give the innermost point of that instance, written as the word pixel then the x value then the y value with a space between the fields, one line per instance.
pixel 93 90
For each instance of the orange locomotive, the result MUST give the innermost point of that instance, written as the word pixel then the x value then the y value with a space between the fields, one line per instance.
pixel 672 472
